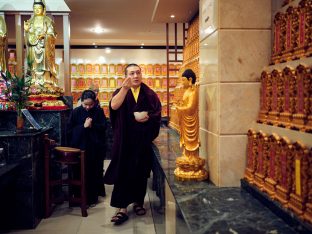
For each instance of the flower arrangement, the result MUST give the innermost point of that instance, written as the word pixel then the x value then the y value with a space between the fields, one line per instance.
pixel 17 90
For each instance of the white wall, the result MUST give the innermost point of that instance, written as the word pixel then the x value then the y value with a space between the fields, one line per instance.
pixel 139 56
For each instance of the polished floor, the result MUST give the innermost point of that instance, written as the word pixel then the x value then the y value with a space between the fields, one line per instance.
pixel 67 220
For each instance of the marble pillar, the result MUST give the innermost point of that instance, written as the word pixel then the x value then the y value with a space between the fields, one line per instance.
pixel 235 44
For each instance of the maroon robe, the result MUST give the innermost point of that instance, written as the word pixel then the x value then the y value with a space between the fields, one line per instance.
pixel 132 150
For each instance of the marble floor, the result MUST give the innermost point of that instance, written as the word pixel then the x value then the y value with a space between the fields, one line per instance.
pixel 67 220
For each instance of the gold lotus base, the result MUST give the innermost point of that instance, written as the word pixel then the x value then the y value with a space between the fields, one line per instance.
pixel 190 168
pixel 308 213
pixel 296 204
pixel 250 175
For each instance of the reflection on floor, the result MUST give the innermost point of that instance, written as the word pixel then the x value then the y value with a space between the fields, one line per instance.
pixel 66 220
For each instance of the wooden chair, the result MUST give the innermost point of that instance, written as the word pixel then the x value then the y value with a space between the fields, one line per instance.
pixel 70 157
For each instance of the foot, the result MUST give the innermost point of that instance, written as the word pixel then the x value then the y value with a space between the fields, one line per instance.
pixel 139 210
pixel 120 217
pixel 120 210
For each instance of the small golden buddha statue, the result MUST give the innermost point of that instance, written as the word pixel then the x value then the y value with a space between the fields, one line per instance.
pixel 3 44
pixel 40 39
pixel 189 166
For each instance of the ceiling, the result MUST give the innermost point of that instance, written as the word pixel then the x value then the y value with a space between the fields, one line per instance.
pixel 126 22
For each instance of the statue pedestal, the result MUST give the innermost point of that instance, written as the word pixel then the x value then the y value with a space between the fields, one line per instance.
pixel 190 168
pixel 22 179
pixel 55 119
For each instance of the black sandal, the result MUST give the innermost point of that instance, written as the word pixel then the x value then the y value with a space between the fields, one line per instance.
pixel 119 218
pixel 139 210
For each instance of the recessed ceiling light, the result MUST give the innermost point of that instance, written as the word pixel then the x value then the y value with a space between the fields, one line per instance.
pixel 98 30
pixel 93 43
pixel 142 44
pixel 172 16
pixel 108 50
pixel 205 44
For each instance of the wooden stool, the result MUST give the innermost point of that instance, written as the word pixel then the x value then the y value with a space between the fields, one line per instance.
pixel 65 156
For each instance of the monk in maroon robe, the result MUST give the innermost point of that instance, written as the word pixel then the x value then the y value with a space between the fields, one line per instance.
pixel 133 135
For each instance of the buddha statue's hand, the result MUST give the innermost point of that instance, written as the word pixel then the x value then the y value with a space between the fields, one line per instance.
pixel 41 36
pixel 26 26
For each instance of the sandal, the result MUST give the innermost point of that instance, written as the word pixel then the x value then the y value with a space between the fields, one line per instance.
pixel 139 210
pixel 119 218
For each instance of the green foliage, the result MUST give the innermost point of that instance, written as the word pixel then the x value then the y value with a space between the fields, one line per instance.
pixel 17 90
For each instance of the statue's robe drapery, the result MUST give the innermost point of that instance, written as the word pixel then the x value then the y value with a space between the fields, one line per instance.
pixel 189 121
pixel 41 51
pixel 132 151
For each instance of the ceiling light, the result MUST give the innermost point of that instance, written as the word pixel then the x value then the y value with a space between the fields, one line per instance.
pixel 142 44
pixel 172 16
pixel 102 59
pixel 209 30
pixel 98 30
pixel 108 50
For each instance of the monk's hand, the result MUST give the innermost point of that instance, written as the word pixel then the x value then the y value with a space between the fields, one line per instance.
pixel 142 120
pixel 88 123
pixel 126 83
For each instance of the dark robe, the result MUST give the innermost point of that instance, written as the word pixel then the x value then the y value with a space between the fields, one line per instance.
pixel 92 140
pixel 132 151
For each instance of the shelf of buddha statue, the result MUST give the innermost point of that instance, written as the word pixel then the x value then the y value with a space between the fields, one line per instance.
pixel 157 83
pixel 112 69
pixel 157 69
pixel 119 70
pixel 104 83
pixel 76 96
pixel 89 82
pixel 89 70
pixel 73 83
pixel 143 69
pixel 81 69
pixel 149 70
pixel 74 69
pixel 112 82
pixel 150 82
pixel 103 69
pixel 164 83
pixel 164 69
pixel 119 82
pixel 96 69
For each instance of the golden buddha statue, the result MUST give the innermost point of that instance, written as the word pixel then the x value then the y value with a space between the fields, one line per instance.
pixel 3 44
pixel 40 39
pixel 189 166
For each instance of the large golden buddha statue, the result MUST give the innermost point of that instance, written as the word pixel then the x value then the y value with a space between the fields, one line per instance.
pixel 189 166
pixel 40 39
pixel 3 44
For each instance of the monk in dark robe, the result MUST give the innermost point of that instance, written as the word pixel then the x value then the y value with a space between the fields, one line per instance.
pixel 86 131
pixel 135 114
